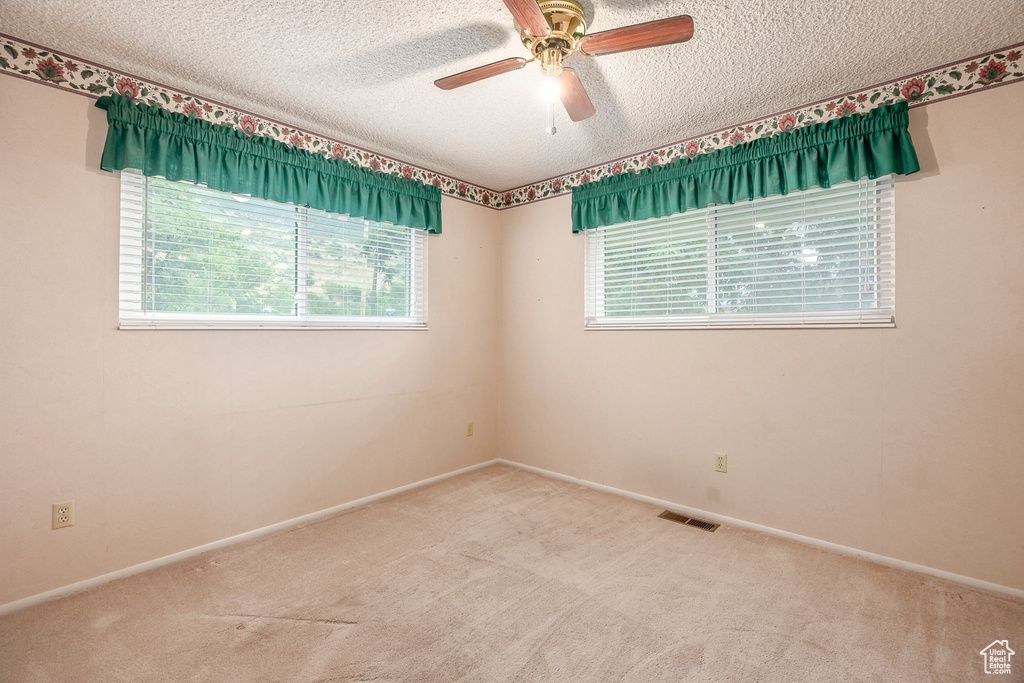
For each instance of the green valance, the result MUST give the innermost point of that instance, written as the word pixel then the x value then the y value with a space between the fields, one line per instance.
pixel 869 145
pixel 172 146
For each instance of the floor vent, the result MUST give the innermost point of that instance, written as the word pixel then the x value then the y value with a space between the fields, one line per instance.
pixel 703 524
pixel 688 521
pixel 674 517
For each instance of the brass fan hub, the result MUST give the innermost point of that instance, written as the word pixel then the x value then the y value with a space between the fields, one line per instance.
pixel 565 17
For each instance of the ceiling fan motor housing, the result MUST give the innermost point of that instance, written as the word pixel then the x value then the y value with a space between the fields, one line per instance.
pixel 567 27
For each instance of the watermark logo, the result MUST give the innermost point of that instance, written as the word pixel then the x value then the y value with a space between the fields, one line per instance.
pixel 997 657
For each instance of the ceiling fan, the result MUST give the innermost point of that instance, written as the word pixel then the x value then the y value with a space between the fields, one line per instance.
pixel 552 30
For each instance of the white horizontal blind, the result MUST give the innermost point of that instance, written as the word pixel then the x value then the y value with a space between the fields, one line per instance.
pixel 192 257
pixel 823 257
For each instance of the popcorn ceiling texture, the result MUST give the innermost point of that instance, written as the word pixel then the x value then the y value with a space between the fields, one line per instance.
pixel 363 72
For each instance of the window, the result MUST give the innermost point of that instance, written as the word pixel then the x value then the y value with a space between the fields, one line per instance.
pixel 192 257
pixel 821 258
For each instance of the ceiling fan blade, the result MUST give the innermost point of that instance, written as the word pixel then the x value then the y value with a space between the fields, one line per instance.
pixel 650 34
pixel 480 73
pixel 574 97
pixel 528 15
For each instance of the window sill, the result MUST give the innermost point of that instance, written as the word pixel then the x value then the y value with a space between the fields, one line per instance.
pixel 741 322
pixel 152 323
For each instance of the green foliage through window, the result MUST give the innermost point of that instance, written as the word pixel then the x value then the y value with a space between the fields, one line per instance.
pixel 191 252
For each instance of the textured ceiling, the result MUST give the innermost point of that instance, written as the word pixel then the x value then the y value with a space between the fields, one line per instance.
pixel 363 72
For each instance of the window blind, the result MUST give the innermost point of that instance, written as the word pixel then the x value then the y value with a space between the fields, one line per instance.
pixel 193 257
pixel 821 257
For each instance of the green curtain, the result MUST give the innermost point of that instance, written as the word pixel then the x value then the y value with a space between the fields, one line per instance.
pixel 172 146
pixel 819 155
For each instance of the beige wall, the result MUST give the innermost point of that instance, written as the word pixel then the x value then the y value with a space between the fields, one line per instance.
pixel 906 442
pixel 167 440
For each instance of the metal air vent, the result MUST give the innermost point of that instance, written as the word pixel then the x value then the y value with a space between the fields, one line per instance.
pixel 689 521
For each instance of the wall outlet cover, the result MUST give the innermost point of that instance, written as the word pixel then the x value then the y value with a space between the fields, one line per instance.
pixel 63 514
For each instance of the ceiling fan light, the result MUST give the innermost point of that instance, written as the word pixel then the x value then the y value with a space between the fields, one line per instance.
pixel 550 89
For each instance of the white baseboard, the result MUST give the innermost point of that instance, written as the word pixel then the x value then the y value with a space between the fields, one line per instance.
pixel 184 554
pixel 846 550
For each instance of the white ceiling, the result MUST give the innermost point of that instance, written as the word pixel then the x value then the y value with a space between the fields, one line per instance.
pixel 363 72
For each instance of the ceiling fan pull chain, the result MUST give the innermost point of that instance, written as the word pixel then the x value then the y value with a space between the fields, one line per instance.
pixel 551 130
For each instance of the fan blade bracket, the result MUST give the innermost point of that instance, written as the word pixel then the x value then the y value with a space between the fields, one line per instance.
pixel 480 73
pixel 638 36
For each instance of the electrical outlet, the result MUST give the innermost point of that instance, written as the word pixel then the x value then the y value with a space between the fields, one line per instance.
pixel 721 462
pixel 469 429
pixel 63 514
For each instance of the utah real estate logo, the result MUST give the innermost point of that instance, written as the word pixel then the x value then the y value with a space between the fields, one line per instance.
pixel 997 657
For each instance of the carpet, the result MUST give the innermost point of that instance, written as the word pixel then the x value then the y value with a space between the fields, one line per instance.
pixel 504 575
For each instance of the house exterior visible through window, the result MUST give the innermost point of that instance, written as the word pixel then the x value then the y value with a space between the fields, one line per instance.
pixel 192 257
pixel 819 258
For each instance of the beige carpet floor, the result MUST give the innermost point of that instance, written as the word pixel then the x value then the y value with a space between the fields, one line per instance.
pixel 503 575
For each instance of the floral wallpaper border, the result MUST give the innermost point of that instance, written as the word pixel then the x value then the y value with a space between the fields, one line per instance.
pixel 999 67
pixel 43 65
